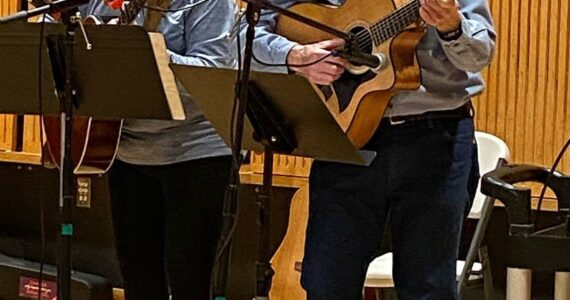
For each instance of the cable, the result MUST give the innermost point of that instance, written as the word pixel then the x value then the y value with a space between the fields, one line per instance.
pixel 41 179
pixel 186 7
pixel 552 170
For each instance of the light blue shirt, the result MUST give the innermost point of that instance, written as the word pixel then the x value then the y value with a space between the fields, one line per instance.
pixel 193 37
pixel 450 70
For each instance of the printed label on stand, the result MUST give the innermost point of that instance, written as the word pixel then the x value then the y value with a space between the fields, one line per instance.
pixel 29 288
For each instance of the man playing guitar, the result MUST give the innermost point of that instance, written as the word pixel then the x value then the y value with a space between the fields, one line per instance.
pixel 425 172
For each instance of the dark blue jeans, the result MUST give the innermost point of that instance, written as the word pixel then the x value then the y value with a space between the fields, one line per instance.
pixel 420 182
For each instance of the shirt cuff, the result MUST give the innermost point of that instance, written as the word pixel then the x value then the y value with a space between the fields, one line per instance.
pixel 280 53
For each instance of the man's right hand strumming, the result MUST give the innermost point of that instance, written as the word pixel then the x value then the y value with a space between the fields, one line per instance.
pixel 324 72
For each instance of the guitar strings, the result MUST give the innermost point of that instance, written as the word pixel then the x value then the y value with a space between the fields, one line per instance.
pixel 396 16
pixel 408 11
pixel 398 20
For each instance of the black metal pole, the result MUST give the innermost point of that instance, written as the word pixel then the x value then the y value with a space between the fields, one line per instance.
pixel 264 271
pixel 61 54
pixel 220 273
pixel 67 182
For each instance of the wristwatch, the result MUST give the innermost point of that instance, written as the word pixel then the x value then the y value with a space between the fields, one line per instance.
pixel 451 35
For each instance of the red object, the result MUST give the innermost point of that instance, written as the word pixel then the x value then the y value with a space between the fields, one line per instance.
pixel 114 4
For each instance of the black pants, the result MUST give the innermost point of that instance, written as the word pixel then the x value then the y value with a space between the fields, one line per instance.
pixel 166 221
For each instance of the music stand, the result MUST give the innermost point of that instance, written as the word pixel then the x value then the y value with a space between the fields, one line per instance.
pixel 301 116
pixel 118 78
pixel 318 134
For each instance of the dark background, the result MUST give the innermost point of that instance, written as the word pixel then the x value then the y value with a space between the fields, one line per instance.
pixel 24 187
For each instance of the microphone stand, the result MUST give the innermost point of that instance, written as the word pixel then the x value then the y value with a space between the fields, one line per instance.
pixel 229 214
pixel 264 270
pixel 61 56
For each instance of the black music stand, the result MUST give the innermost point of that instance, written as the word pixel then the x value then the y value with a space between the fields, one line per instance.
pixel 288 116
pixel 317 133
pixel 118 78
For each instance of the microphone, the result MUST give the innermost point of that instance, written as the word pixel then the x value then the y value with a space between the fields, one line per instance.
pixel 359 58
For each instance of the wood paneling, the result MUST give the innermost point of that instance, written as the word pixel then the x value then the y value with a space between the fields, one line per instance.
pixel 527 98
pixel 7 130
pixel 527 102
pixel 9 6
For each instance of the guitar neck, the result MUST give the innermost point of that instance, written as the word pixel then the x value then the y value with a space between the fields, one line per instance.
pixel 394 23
pixel 131 11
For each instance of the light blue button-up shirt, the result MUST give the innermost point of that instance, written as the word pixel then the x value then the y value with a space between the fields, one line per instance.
pixel 450 70
pixel 193 37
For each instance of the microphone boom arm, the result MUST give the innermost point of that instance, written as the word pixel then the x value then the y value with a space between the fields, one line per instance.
pixel 55 6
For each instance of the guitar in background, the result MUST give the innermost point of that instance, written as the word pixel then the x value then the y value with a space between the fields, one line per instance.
pixel 95 142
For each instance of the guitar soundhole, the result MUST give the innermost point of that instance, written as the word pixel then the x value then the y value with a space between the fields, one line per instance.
pixel 363 39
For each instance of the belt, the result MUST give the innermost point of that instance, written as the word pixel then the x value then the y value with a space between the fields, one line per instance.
pixel 463 111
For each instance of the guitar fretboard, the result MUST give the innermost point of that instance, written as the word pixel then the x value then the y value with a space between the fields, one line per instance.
pixel 394 23
pixel 131 11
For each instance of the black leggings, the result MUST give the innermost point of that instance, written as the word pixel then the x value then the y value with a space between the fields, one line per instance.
pixel 166 221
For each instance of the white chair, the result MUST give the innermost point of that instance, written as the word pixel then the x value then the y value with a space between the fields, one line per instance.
pixel 492 152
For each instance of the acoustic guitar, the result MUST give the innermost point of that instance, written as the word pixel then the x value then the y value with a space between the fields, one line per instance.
pixel 360 97
pixel 94 142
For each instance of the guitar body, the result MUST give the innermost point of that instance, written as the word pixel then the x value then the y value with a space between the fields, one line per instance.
pixel 360 97
pixel 94 143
